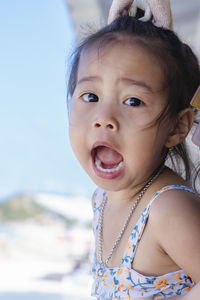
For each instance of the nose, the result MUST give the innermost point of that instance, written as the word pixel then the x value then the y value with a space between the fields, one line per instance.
pixel 106 122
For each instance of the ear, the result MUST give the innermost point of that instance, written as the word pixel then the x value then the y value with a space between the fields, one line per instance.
pixel 180 127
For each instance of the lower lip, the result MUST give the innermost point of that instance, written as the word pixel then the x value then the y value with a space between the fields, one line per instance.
pixel 110 175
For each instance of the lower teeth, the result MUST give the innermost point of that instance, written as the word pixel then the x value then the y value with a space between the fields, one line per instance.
pixel 99 167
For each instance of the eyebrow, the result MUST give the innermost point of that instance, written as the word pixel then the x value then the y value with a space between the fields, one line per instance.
pixel 138 83
pixel 88 79
pixel 124 79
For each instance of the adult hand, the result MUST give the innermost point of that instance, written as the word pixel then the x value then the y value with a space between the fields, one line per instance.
pixel 143 5
pixel 119 8
pixel 162 14
pixel 161 10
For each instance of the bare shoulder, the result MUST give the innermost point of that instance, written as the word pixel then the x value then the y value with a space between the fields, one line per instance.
pixel 174 199
pixel 175 216
pixel 175 202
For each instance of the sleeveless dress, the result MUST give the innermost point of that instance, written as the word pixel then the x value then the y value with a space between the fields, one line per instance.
pixel 122 282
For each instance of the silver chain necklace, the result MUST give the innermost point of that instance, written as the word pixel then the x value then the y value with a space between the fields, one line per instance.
pixel 103 265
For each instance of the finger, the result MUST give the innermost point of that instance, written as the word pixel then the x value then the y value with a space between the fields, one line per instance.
pixel 132 11
pixel 161 11
pixel 125 12
pixel 113 15
pixel 117 8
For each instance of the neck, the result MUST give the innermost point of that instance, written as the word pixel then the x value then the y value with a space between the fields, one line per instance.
pixel 126 196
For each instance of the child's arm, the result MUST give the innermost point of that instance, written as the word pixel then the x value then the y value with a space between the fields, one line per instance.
pixel 194 294
pixel 177 225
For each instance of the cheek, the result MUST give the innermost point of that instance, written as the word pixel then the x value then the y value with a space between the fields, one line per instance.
pixel 79 146
pixel 75 141
pixel 139 118
pixel 148 141
pixel 73 112
pixel 78 113
pixel 77 133
pixel 74 128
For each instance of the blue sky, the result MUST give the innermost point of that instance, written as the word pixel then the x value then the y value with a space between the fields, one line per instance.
pixel 36 38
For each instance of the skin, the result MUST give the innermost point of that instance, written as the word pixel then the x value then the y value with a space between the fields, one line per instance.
pixel 112 120
pixel 161 10
pixel 128 123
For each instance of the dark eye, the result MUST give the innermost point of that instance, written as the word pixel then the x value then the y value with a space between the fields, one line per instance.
pixel 89 97
pixel 133 102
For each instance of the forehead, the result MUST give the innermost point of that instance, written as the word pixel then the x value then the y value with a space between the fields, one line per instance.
pixel 121 59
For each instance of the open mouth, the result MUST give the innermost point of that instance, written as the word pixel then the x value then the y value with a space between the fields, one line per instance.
pixel 107 160
pixel 107 168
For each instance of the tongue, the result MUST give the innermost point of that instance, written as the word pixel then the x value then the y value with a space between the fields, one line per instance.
pixel 108 156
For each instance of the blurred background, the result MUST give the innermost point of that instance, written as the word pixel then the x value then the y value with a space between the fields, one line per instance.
pixel 45 211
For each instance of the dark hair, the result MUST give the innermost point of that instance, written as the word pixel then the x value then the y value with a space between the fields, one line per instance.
pixel 180 68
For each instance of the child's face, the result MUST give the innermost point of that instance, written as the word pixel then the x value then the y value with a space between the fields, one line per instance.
pixel 119 92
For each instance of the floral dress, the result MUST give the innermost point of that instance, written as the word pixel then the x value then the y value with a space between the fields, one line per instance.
pixel 123 282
